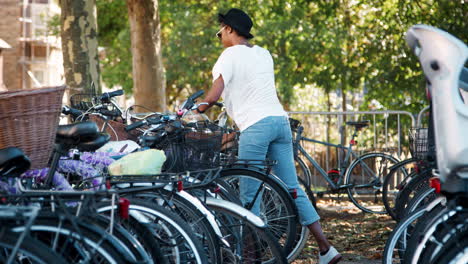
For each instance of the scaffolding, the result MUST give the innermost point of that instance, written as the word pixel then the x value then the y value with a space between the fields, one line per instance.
pixel 36 44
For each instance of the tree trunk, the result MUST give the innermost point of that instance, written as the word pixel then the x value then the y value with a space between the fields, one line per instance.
pixel 149 84
pixel 80 44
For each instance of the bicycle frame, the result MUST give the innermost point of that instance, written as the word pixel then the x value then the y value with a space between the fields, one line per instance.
pixel 343 165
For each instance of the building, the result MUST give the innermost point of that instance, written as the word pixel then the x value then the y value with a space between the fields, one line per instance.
pixel 35 56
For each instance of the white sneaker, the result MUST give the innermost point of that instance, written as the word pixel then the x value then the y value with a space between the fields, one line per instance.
pixel 331 257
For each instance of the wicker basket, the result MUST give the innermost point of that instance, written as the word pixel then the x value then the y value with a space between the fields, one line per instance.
pixel 29 120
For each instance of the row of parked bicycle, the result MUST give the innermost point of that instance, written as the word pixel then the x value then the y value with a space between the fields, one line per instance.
pixel 429 201
pixel 127 202
pixel 104 202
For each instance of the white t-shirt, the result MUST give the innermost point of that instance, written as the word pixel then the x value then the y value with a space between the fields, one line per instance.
pixel 249 84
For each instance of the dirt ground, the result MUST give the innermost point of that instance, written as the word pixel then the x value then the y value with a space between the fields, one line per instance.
pixel 359 237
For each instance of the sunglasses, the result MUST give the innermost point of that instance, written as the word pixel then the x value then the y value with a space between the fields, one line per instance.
pixel 218 35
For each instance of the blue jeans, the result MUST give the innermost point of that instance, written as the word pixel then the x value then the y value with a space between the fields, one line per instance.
pixel 271 138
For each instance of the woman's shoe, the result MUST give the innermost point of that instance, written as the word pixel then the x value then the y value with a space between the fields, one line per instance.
pixel 331 257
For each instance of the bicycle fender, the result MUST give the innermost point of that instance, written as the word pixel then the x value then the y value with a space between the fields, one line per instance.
pixel 206 213
pixel 236 209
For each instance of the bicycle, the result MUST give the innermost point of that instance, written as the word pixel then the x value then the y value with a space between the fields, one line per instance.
pixel 362 178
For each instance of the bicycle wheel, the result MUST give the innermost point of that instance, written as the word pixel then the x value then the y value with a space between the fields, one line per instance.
pixel 420 229
pixel 30 250
pixel 455 243
pixel 177 240
pixel 277 206
pixel 393 183
pixel 421 199
pixel 365 179
pixel 397 241
pixel 78 242
pixel 146 248
pixel 249 242
pixel 440 235
pixel 189 212
pixel 454 253
pixel 419 182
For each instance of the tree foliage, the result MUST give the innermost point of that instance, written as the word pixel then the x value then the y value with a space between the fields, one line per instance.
pixel 345 45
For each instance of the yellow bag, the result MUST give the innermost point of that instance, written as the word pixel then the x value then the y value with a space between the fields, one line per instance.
pixel 148 162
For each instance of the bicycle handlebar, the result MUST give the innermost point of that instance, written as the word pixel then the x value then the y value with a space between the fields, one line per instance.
pixel 135 125
pixel 75 113
pixel 106 96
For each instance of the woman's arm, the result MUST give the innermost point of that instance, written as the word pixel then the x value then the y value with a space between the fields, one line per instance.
pixel 213 94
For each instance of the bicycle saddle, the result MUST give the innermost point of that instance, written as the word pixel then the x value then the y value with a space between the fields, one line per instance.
pixel 13 162
pixel 92 145
pixel 358 124
pixel 77 132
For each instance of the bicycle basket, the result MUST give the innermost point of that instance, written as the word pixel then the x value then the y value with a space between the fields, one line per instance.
pixel 196 148
pixel 82 102
pixel 418 142
pixel 29 121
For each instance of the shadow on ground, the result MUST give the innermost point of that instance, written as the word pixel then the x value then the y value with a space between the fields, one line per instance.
pixel 359 237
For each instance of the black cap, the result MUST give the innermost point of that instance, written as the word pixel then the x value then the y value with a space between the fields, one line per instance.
pixel 238 20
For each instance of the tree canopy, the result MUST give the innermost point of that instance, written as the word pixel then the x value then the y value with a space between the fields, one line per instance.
pixel 344 45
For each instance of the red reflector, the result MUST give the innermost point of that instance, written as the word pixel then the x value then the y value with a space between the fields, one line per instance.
pixel 352 142
pixel 124 204
pixel 180 186
pixel 216 190
pixel 434 182
pixel 108 185
pixel 293 193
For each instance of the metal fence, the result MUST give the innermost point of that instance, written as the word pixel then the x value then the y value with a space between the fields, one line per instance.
pixel 387 132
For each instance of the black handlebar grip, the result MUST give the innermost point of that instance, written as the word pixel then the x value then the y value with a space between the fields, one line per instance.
pixel 75 112
pixel 197 94
pixel 107 96
pixel 109 113
pixel 218 104
pixel 116 93
pixel 135 125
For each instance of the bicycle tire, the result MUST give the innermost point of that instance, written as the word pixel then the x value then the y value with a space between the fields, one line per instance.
pixel 74 245
pixel 419 229
pixel 136 230
pixel 190 214
pixel 360 173
pixel 443 236
pixel 455 253
pixel 417 183
pixel 261 238
pixel 283 218
pixel 127 240
pixel 421 199
pixel 387 195
pixel 163 223
pixel 29 249
pixel 302 237
pixel 396 244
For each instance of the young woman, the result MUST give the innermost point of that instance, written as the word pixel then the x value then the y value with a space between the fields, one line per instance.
pixel 243 75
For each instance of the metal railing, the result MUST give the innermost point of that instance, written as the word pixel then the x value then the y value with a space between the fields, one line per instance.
pixel 387 132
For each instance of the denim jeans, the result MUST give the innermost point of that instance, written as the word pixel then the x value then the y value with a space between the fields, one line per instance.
pixel 271 138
